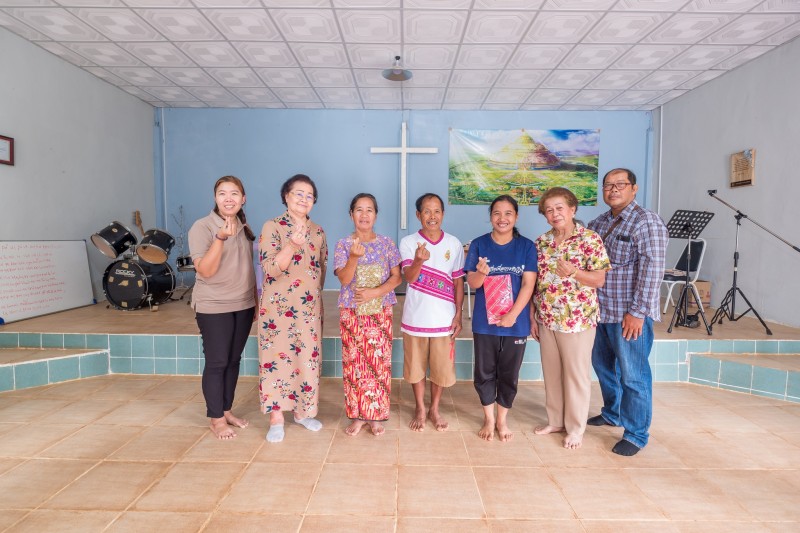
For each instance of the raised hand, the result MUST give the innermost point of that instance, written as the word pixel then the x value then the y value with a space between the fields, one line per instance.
pixel 422 254
pixel 483 266
pixel 229 228
pixel 357 249
pixel 298 237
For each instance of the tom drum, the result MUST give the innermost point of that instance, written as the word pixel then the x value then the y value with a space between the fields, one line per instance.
pixel 155 246
pixel 113 239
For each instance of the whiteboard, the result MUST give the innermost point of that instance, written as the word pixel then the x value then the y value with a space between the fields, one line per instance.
pixel 40 277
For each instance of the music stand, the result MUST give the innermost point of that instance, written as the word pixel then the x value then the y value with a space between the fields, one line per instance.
pixel 688 225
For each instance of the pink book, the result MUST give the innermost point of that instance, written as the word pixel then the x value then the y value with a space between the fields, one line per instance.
pixel 499 298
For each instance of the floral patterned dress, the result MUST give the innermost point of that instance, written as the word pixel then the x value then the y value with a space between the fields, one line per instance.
pixel 290 320
pixel 367 338
pixel 563 304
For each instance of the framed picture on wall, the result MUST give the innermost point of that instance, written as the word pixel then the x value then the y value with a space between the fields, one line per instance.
pixel 6 150
pixel 743 168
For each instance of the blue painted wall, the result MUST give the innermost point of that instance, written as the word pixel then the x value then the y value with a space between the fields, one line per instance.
pixel 265 147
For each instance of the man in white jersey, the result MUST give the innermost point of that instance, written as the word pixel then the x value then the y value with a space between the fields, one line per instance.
pixel 433 266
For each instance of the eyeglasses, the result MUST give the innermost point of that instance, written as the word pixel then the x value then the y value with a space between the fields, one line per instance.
pixel 621 186
pixel 302 196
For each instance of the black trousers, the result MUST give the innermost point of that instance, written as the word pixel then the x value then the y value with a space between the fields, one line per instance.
pixel 497 363
pixel 224 336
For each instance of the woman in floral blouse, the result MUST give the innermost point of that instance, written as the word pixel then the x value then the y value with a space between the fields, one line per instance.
pixel 368 267
pixel 572 266
pixel 293 254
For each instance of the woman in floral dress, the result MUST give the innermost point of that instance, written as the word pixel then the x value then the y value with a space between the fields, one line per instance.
pixel 368 267
pixel 572 266
pixel 293 254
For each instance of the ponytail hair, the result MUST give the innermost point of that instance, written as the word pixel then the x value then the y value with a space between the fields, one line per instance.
pixel 510 199
pixel 240 214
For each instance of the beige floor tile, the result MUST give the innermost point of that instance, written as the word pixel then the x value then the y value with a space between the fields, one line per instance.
pixel 126 388
pixel 768 417
pixel 225 522
pixel 432 448
pixel 629 526
pixel 587 491
pixel 535 526
pixel 66 521
pixel 78 389
pixel 765 494
pixel 9 517
pixel 735 527
pixel 765 449
pixel 187 414
pixel 655 455
pixel 26 410
pixel 241 449
pixel 719 418
pixel 137 522
pixel 792 437
pixel 30 439
pixel 355 490
pixel 5 428
pixel 347 524
pixel 299 446
pixel 159 444
pixel 330 414
pixel 31 483
pixel 517 452
pixel 705 450
pixel 7 463
pixel 519 503
pixel 283 488
pixel 365 448
pixel 80 412
pixel 102 489
pixel 177 389
pixel 592 453
pixel 92 442
pixel 138 413
pixel 438 491
pixel 442 525
pixel 190 487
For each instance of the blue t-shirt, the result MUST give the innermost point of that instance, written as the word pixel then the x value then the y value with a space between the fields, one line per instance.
pixel 513 258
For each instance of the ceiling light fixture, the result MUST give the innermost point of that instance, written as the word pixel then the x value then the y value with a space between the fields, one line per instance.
pixel 397 73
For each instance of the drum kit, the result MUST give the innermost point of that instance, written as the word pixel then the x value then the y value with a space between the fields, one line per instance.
pixel 142 276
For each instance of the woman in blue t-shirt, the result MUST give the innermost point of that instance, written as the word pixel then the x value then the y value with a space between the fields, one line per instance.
pixel 501 268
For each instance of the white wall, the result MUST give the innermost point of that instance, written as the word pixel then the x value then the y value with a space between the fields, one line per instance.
pixel 83 150
pixel 755 106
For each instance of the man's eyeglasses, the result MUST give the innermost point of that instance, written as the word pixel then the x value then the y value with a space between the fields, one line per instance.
pixel 621 186
pixel 302 196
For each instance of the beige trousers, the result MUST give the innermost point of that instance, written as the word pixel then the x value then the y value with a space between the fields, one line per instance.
pixel 566 359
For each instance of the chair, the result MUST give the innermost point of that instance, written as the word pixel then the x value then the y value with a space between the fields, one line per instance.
pixel 673 279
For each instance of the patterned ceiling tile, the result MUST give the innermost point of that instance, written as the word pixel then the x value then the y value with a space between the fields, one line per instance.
pixel 458 107
pixel 317 25
pixel 119 24
pixel 538 56
pixel 224 104
pixel 508 4
pixel 433 26
pixel 181 24
pixel 497 26
pixel 483 56
pixel 105 75
pixel 297 3
pixel 370 26
pixel 266 54
pixel 688 28
pixel 56 23
pixel 381 95
pixel 721 5
pixel 338 95
pixel 569 79
pixel 429 56
pixel 330 77
pixel 551 96
pixel 23 30
pixel 212 54
pixel 561 27
pixel 751 28
pixel 473 78
pixel 235 77
pixel 617 79
pixel 540 107
pixel 411 105
pixel 105 54
pixel 577 107
pixel 583 5
pixel 622 107
pixel 593 56
pixel 159 3
pixel 743 57
pixel 498 106
pixel 373 78
pixel 65 53
pixel 169 94
pixel 424 95
pixel 647 107
pixel 788 6
pixel 463 96
pixel 701 57
pixel 636 97
pixel 138 92
pixel 648 56
pixel 308 105
pixel 320 54
pixel 649 5
pixel 701 78
pixel 90 3
pixel 666 97
pixel 372 55
pixel 624 27
pixel 521 78
pixel 141 76
pixel 158 54
pixel 227 3
pixel 243 24
pixel 783 36
pixel 266 105
pixel 437 4
pixel 508 96
pixel 251 95
pixel 188 77
pixel 366 3
pixel 428 78
pixel 593 97
pixel 283 77
pixel 665 79
pixel 212 94
pixel 384 105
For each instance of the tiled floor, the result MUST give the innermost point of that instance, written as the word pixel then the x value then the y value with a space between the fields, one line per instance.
pixel 132 453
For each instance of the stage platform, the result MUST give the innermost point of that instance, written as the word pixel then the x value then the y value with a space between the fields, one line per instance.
pixel 98 340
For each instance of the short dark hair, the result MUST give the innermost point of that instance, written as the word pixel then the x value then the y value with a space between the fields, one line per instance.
pixel 361 195
pixel 289 184
pixel 427 196
pixel 560 192
pixel 631 175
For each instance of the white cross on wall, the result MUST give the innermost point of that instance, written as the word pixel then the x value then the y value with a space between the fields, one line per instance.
pixel 403 150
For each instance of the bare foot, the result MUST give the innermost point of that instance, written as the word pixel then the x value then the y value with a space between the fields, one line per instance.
pixel 219 427
pixel 235 420
pixel 546 430
pixel 439 423
pixel 573 442
pixel 376 428
pixel 487 431
pixel 418 422
pixel 503 432
pixel 354 427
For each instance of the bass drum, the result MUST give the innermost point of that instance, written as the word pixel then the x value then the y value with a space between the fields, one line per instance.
pixel 129 284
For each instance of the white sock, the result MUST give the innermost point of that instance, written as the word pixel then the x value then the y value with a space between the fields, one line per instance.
pixel 311 424
pixel 275 433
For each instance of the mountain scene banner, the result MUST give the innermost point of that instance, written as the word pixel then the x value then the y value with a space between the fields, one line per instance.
pixel 522 163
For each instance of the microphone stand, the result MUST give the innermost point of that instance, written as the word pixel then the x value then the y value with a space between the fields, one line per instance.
pixel 728 306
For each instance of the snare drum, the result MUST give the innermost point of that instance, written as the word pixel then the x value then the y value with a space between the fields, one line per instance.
pixel 113 239
pixel 155 246
pixel 130 284
pixel 185 263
